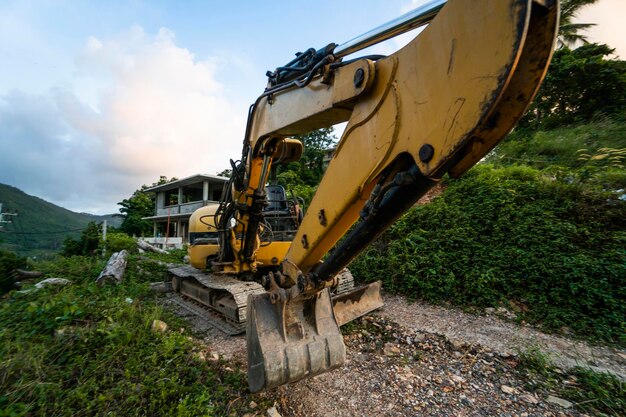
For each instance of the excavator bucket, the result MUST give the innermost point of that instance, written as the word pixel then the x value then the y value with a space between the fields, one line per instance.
pixel 288 341
pixel 357 302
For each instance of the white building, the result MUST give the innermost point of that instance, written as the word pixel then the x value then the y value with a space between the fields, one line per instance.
pixel 176 201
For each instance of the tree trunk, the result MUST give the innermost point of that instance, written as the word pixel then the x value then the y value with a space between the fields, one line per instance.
pixel 114 269
pixel 148 247
pixel 28 274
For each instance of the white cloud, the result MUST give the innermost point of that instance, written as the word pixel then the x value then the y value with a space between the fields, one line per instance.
pixel 608 15
pixel 140 106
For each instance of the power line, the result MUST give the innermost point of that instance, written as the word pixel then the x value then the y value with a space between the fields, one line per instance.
pixel 47 232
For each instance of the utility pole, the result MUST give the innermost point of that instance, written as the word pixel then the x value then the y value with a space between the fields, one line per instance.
pixel 5 218
pixel 104 238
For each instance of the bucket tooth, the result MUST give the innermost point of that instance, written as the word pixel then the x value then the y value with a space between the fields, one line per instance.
pixel 290 341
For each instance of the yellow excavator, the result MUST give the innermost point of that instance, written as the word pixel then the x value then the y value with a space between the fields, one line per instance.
pixel 435 107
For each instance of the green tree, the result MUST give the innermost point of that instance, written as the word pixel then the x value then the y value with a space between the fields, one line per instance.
pixel 303 176
pixel 581 83
pixel 8 263
pixel 225 173
pixel 134 209
pixel 87 244
pixel 138 206
pixel 310 168
pixel 569 32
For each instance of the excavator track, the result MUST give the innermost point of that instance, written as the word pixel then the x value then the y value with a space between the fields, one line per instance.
pixel 208 315
pixel 221 301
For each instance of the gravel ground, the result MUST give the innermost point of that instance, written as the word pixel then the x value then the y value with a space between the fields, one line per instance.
pixel 415 359
pixel 394 371
pixel 502 336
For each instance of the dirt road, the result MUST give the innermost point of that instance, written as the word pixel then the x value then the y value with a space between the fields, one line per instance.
pixel 416 359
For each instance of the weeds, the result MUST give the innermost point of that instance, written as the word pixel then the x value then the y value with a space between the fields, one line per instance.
pixel 590 391
pixel 89 350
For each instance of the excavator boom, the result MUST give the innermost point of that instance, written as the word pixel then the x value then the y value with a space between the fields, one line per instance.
pixel 434 107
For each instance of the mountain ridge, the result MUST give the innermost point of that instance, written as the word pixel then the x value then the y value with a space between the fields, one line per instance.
pixel 40 226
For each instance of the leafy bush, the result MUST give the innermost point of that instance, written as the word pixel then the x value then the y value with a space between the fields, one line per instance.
pixel 87 244
pixel 90 242
pixel 117 241
pixel 74 268
pixel 513 234
pixel 9 262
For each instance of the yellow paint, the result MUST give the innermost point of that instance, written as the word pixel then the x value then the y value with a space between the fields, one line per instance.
pixel 460 86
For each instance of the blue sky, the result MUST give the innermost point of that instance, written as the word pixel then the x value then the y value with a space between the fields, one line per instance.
pixel 98 98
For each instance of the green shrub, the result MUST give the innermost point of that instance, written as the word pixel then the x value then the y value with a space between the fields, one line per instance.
pixel 117 241
pixel 74 268
pixel 513 235
pixel 175 256
pixel 8 263
pixel 87 244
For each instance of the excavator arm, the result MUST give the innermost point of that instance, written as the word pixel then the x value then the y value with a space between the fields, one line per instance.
pixel 436 106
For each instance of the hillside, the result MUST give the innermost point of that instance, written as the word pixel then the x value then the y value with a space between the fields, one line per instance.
pixel 539 229
pixel 40 226
pixel 595 146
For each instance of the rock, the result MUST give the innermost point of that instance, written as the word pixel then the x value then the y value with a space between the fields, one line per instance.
pixel 419 337
pixel 52 281
pixel 159 326
pixel 458 379
pixel 559 401
pixel 490 310
pixel 253 404
pixel 359 357
pixel 457 344
pixel 390 349
pixel 161 287
pixel 508 390
pixel 465 401
pixel 506 313
pixel 530 398
pixel 272 412
pixel 214 357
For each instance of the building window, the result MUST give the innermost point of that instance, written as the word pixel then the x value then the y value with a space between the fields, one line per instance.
pixel 171 197
pixel 192 193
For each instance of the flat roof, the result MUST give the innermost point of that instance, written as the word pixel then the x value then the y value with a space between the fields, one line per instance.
pixel 165 216
pixel 187 181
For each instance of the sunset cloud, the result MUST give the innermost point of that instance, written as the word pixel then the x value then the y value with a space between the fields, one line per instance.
pixel 140 107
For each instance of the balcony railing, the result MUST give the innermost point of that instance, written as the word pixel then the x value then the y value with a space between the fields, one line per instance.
pixel 186 208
